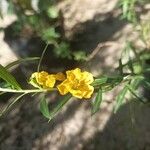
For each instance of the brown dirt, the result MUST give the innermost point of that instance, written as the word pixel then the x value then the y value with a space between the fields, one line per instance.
pixel 87 23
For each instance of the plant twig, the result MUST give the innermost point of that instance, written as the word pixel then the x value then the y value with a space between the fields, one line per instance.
pixel 98 48
pixel 41 58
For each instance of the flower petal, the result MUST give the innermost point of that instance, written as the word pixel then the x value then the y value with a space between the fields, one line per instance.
pixel 89 92
pixel 74 74
pixel 87 77
pixel 41 77
pixel 60 76
pixel 76 93
pixel 64 87
pixel 50 81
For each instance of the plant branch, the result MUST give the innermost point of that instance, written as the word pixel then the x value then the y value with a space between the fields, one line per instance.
pixel 26 91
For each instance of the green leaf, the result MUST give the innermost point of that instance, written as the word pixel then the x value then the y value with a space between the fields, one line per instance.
pixel 145 56
pixel 21 61
pixel 97 102
pixel 114 80
pixel 63 50
pixel 99 81
pixel 49 34
pixel 135 83
pixel 132 91
pixel 59 106
pixel 52 12
pixel 146 83
pixel 5 75
pixel 10 9
pixel 11 104
pixel 107 83
pixel 120 97
pixel 44 108
pixel 79 55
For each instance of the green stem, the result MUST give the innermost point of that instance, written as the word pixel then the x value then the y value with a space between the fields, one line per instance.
pixel 26 91
pixel 40 61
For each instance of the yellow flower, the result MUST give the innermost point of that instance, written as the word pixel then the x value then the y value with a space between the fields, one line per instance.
pixel 50 81
pixel 42 79
pixel 77 83
pixel 60 76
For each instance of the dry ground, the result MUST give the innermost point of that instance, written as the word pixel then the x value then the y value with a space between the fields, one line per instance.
pixel 87 23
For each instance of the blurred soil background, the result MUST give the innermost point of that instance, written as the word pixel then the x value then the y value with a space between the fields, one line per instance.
pixel 87 24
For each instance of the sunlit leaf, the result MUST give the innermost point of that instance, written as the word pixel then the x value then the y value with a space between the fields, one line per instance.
pixel 52 12
pixel 5 75
pixel 136 82
pixel 10 9
pixel 96 104
pixel 120 97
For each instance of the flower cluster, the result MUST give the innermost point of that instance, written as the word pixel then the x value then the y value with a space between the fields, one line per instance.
pixel 44 80
pixel 75 82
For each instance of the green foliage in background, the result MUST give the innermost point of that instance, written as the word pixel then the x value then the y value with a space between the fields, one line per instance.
pixel 132 73
pixel 129 9
pixel 41 19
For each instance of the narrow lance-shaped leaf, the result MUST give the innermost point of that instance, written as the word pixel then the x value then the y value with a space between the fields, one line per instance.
pixel 21 61
pixel 44 108
pixel 59 106
pixel 120 97
pixel 135 83
pixel 96 104
pixel 99 81
pixel 146 84
pixel 114 80
pixel 10 105
pixel 134 93
pixel 128 51
pixel 5 75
